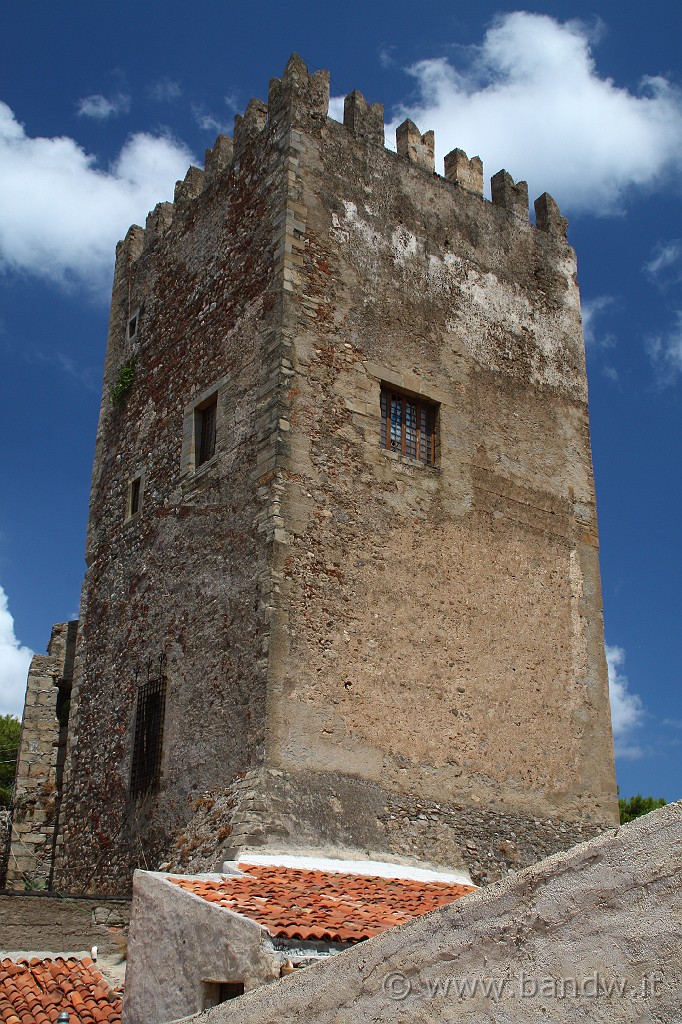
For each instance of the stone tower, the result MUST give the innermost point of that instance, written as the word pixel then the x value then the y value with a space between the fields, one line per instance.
pixel 342 588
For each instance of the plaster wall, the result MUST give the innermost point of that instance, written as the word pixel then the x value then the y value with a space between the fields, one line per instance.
pixel 178 943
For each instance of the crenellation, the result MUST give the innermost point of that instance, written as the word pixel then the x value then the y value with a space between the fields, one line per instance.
pixel 298 98
pixel 219 158
pixel 129 250
pixel 415 147
pixel 158 221
pixel 548 216
pixel 248 126
pixel 460 170
pixel 190 187
pixel 363 120
pixel 510 195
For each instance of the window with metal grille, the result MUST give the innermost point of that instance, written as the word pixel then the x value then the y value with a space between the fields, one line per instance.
pixel 408 426
pixel 151 704
pixel 205 432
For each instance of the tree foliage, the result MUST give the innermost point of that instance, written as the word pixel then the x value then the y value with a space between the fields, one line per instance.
pixel 10 728
pixel 638 805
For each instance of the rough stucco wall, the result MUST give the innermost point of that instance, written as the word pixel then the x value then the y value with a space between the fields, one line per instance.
pixel 607 913
pixel 440 631
pixel 177 942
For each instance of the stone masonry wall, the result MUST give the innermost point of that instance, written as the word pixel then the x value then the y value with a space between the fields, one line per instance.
pixel 348 638
pixel 439 636
pixel 182 588
pixel 41 749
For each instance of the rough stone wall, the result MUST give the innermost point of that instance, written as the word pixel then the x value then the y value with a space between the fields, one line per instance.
pixel 182 589
pixel 588 935
pixel 5 831
pixel 439 642
pixel 41 754
pixel 50 922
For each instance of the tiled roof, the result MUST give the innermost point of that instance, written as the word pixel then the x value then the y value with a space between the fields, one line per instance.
pixel 36 991
pixel 335 907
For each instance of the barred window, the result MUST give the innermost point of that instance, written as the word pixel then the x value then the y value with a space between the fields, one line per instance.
pixel 205 431
pixel 151 704
pixel 408 426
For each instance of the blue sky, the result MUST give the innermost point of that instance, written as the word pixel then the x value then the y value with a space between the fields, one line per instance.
pixel 103 106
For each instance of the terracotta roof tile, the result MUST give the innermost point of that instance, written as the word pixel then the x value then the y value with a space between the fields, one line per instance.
pixel 322 905
pixel 36 991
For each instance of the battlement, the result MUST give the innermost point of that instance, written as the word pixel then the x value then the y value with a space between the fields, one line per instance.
pixel 298 100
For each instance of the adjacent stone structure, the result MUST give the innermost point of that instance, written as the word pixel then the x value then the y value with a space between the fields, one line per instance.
pixel 343 581
pixel 40 763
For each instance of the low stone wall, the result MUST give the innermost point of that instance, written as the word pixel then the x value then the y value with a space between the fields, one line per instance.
pixel 59 924
pixel 592 934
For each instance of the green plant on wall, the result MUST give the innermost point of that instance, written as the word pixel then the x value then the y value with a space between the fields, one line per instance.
pixel 126 377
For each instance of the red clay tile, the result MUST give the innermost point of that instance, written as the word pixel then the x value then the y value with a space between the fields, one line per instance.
pixel 33 992
pixel 337 907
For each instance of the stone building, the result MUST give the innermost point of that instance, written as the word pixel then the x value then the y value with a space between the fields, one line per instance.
pixel 342 589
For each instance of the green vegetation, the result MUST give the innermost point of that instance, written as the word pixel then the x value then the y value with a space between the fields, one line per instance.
pixel 638 805
pixel 10 728
pixel 126 378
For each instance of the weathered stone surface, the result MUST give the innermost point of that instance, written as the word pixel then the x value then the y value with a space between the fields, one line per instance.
pixel 388 636
pixel 588 935
pixel 39 921
pixel 42 750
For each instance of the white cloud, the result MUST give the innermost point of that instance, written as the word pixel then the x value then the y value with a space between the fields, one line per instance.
pixel 232 102
pixel 627 709
pixel 665 266
pixel 101 108
pixel 666 352
pixel 66 213
pixel 208 122
pixel 14 662
pixel 165 90
pixel 531 100
pixel 592 311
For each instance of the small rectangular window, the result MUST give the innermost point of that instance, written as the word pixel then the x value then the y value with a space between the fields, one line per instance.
pixel 135 496
pixel 408 426
pixel 151 704
pixel 217 992
pixel 205 432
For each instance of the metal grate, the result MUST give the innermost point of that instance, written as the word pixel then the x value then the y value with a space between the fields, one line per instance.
pixel 206 430
pixel 408 426
pixel 151 704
